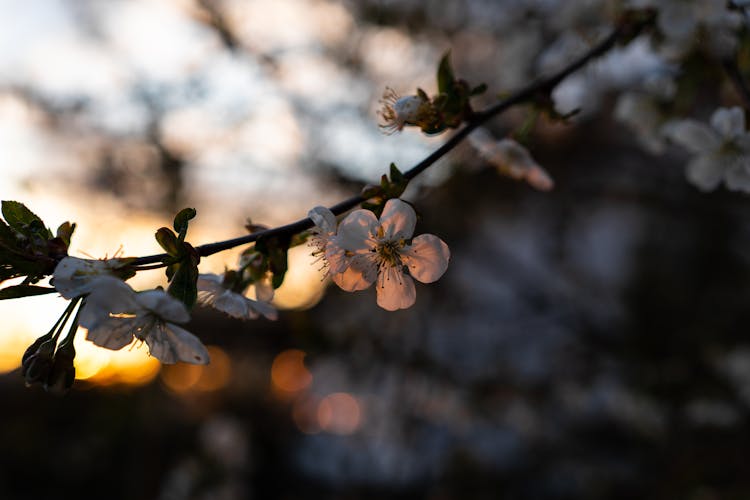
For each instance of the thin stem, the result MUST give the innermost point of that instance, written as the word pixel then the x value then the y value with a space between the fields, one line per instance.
pixel 537 89
pixel 733 72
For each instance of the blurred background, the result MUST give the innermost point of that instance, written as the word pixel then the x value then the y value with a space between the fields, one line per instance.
pixel 586 343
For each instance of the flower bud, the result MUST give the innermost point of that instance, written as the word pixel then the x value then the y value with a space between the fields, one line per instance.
pixel 36 367
pixel 63 373
pixel 400 111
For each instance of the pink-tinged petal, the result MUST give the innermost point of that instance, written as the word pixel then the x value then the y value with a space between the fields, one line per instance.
pixel 164 306
pixel 729 122
pixel 336 257
pixel 398 220
pixel 362 273
pixel 356 230
pixel 324 219
pixel 395 290
pixel 427 258
pixel 169 344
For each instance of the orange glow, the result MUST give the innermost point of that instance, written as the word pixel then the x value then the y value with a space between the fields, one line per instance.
pixel 131 365
pixel 303 285
pixel 339 413
pixel 288 372
pixel 183 378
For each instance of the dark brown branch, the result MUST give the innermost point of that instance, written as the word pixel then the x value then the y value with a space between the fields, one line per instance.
pixel 539 89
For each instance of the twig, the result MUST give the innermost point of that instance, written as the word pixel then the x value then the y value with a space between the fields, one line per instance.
pixel 539 88
pixel 733 72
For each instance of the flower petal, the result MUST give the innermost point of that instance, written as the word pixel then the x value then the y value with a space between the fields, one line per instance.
pixel 112 333
pixel 335 257
pixel 356 230
pixel 210 283
pixel 729 122
pixel 705 172
pixel 164 306
pixel 234 305
pixel 395 290
pixel 323 218
pixel 108 296
pixel 169 344
pixel 694 136
pixel 362 272
pixel 398 220
pixel 737 175
pixel 427 258
pixel 73 276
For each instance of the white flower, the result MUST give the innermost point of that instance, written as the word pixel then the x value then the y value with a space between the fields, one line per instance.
pixel 679 21
pixel 400 111
pixel 212 291
pixel 722 150
pixel 73 276
pixel 379 251
pixel 114 314
pixel 324 240
pixel 511 159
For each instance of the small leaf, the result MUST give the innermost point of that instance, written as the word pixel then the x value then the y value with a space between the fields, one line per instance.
pixel 445 77
pixel 65 232
pixel 479 89
pixel 396 175
pixel 181 221
pixel 19 217
pixel 275 249
pixel 169 242
pixel 18 291
pixel 183 284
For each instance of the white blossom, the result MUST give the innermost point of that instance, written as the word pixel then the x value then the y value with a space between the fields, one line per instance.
pixel 114 314
pixel 400 111
pixel 212 291
pixel 722 150
pixel 380 251
pixel 73 276
pixel 680 20
pixel 324 240
pixel 511 159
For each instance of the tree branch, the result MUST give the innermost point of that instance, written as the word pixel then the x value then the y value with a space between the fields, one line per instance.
pixel 540 88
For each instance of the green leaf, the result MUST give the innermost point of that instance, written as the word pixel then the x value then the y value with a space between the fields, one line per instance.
pixel 275 250
pixel 181 221
pixel 183 285
pixel 65 232
pixel 445 77
pixel 18 291
pixel 169 242
pixel 479 89
pixel 20 218
pixel 396 175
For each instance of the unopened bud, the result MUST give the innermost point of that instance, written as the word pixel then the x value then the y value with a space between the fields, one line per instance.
pixel 400 111
pixel 36 367
pixel 63 373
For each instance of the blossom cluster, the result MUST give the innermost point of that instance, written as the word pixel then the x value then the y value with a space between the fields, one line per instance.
pixel 362 250
pixel 114 314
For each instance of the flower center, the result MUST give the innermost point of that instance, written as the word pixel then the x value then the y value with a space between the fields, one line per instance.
pixel 390 252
